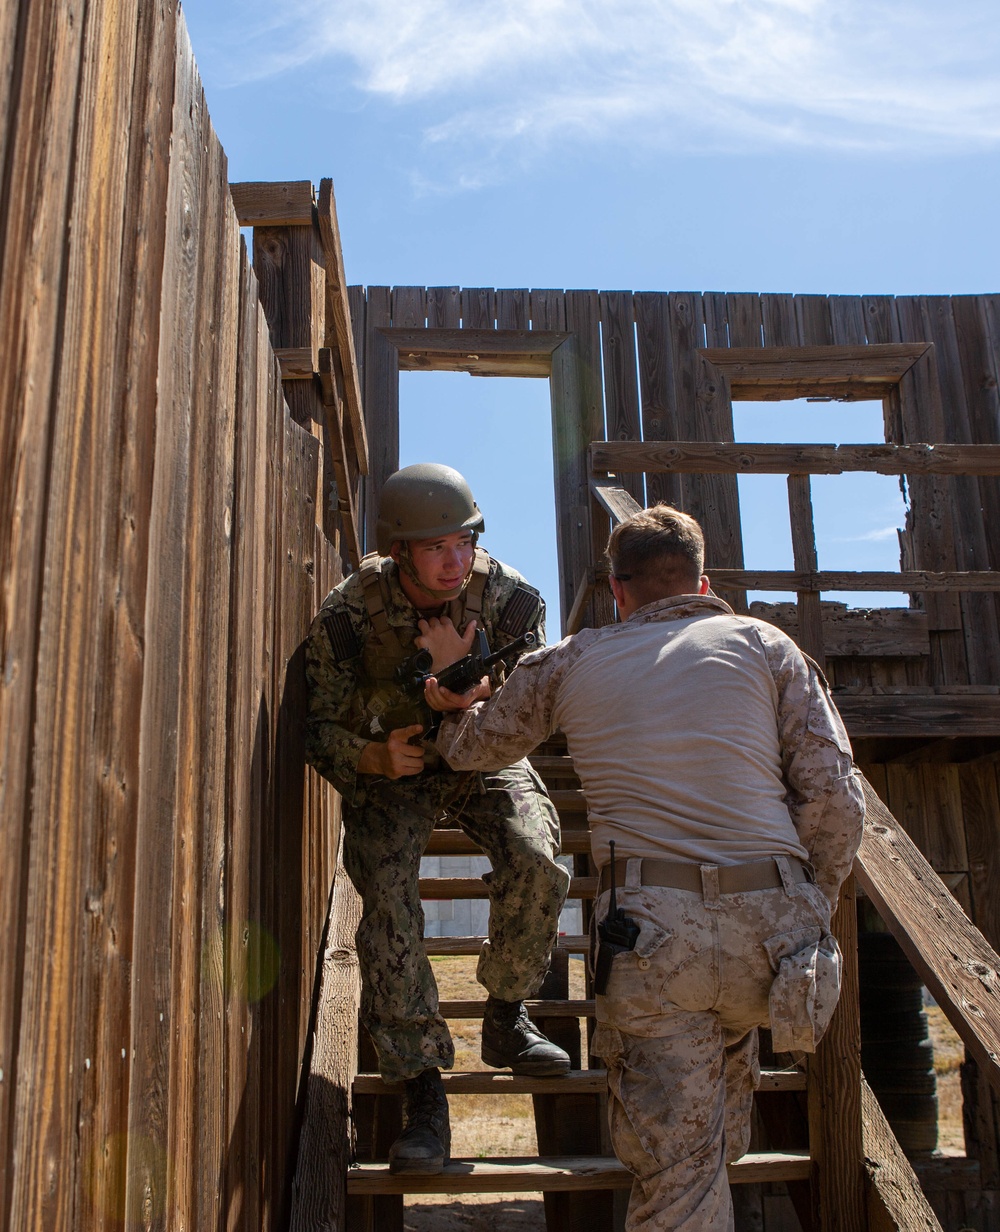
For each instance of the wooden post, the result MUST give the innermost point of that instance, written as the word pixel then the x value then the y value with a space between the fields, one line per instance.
pixel 804 555
pixel 835 1134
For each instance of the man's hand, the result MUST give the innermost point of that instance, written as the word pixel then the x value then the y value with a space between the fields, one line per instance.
pixel 397 757
pixel 443 699
pixel 442 639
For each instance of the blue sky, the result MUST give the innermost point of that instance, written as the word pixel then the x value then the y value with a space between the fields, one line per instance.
pixel 735 145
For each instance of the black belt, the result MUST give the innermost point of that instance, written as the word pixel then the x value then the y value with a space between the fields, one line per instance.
pixel 733 878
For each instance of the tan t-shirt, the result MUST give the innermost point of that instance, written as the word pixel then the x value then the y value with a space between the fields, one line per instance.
pixel 698 735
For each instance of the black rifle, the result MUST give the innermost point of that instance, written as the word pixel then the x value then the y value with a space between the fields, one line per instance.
pixel 460 676
pixel 616 933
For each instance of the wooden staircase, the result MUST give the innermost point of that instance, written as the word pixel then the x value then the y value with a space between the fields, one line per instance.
pixel 585 1188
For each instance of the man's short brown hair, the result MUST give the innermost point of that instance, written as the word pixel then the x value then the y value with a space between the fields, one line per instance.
pixel 659 547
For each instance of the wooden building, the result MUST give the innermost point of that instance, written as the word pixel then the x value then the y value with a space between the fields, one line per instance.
pixel 191 446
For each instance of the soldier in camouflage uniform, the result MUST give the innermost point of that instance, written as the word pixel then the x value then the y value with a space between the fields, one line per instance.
pixel 712 755
pixel 429 587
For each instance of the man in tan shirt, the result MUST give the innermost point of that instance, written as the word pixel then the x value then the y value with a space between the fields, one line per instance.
pixel 711 752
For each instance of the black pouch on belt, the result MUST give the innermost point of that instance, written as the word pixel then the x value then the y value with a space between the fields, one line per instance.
pixel 616 933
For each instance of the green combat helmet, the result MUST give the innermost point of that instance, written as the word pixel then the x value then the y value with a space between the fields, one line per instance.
pixel 423 502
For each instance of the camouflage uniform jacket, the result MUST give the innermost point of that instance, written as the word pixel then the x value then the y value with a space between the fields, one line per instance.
pixel 736 754
pixel 353 699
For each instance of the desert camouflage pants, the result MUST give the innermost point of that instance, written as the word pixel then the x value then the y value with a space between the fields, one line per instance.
pixel 678 1032
pixel 509 815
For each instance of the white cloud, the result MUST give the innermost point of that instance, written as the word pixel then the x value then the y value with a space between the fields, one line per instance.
pixel 486 76
pixel 871 536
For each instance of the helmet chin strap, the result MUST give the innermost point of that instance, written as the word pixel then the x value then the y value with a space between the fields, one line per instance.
pixel 405 563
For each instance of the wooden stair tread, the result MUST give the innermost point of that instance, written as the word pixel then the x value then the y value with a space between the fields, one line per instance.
pixel 450 842
pixel 499 1082
pixel 529 1174
pixel 495 1082
pixel 536 1009
pixel 432 888
pixel 572 943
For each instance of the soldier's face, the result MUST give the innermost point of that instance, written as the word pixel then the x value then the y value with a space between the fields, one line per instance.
pixel 443 564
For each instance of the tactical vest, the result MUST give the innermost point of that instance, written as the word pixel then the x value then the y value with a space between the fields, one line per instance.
pixel 380 704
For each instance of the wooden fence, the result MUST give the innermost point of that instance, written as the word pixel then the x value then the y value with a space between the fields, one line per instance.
pixel 166 856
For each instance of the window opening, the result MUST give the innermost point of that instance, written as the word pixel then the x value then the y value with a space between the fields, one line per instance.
pixel 498 432
pixel 856 515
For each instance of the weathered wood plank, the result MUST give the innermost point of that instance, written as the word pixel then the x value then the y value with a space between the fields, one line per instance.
pixel 909 581
pixel 745 457
pixel 36 189
pixel 512 308
pixel 127 460
pixel 760 374
pixel 945 948
pixel 452 946
pixel 920 715
pixel 339 316
pixel 810 619
pixel 548 309
pixel 335 449
pixel 657 385
pixel 621 381
pixel 537 1009
pixel 813 315
pixel 834 1093
pixel 478 308
pixel 159 831
pixel 319 1193
pixel 482 352
pixel 273 204
pixel 619 503
pixel 409 307
pixel 577 418
pixel 980 810
pixel 554 1175
pixel 896 1203
pixel 381 371
pixel 878 632
pixel 743 315
pixel 444 308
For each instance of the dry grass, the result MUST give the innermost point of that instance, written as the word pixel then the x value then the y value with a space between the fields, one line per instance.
pixel 949 1053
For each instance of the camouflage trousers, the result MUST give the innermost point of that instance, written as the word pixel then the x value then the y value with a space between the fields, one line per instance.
pixel 510 816
pixel 677 1029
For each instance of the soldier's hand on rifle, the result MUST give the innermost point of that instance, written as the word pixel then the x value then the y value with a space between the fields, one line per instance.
pixel 397 757
pixel 442 639
pixel 444 699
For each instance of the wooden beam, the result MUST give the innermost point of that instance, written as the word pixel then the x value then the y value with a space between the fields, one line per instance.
pixel 834 1093
pixel 896 1202
pixel 857 632
pixel 697 457
pixel 869 371
pixel 530 1174
pixel 800 513
pixel 331 379
pixel 618 502
pixel 339 317
pixel 266 204
pixel 927 715
pixel 295 363
pixel 908 582
pixel 584 589
pixel 952 957
pixel 537 1009
pixel 480 352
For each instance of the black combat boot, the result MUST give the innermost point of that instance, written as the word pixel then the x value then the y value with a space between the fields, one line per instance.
pixel 424 1146
pixel 511 1040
